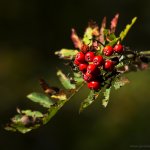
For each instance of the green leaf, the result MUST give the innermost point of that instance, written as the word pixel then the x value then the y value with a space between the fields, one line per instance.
pixel 20 128
pixel 113 42
pixel 123 33
pixel 89 100
pixel 53 110
pixel 119 82
pixel 78 78
pixel 88 36
pixel 32 113
pixel 112 36
pixel 65 81
pixel 126 30
pixel 66 53
pixel 106 32
pixel 40 98
pixel 21 123
pixel 106 97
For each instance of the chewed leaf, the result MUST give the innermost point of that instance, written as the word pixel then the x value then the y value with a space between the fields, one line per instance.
pixel 52 111
pixel 78 78
pixel 126 30
pixel 119 82
pixel 23 123
pixel 106 97
pixel 76 40
pixel 40 98
pixel 113 42
pixel 15 127
pixel 65 81
pixel 89 100
pixel 32 113
pixel 66 53
pixel 123 33
pixel 88 36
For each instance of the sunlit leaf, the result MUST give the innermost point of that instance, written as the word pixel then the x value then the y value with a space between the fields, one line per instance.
pixel 127 28
pixel 88 36
pixel 32 113
pixel 106 97
pixel 123 33
pixel 21 123
pixel 60 96
pixel 66 53
pixel 40 98
pixel 119 82
pixel 64 80
pixel 89 100
pixel 78 78
pixel 53 110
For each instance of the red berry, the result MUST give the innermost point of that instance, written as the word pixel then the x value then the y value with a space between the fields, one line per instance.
pixel 98 60
pixel 108 50
pixel 94 85
pixel 80 57
pixel 83 67
pixel 84 48
pixel 88 77
pixel 91 68
pixel 76 62
pixel 108 65
pixel 118 48
pixel 89 56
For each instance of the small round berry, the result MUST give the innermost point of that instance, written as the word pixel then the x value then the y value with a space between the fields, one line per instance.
pixel 80 57
pixel 94 85
pixel 77 63
pixel 88 77
pixel 84 48
pixel 108 65
pixel 83 67
pixel 91 68
pixel 89 56
pixel 98 60
pixel 108 50
pixel 118 48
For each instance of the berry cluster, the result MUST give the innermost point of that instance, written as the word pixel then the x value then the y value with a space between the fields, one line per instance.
pixel 91 64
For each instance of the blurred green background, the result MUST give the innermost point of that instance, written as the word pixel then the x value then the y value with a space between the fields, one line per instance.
pixel 30 32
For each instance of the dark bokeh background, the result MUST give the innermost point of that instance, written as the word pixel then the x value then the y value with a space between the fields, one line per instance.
pixel 30 32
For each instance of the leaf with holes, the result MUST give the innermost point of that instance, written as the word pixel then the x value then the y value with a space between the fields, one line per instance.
pixel 66 53
pixel 89 100
pixel 106 97
pixel 40 98
pixel 65 81
pixel 119 82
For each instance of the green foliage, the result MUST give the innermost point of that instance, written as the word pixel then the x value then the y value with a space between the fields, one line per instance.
pixel 66 53
pixel 88 35
pixel 40 98
pixel 32 113
pixel 126 30
pixel 106 97
pixel 53 98
pixel 123 33
pixel 65 81
pixel 89 100
pixel 119 82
